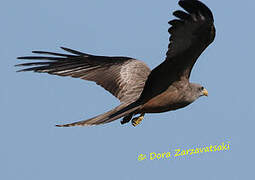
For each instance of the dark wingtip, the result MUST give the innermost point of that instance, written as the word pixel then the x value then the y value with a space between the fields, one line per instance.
pixel 37 52
pixel 193 6
pixel 21 57
pixel 20 70
pixel 57 125
pixel 64 48
pixel 17 65
pixel 67 49
pixel 75 52
pixel 65 125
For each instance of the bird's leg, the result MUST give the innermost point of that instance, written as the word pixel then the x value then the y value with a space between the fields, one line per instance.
pixel 126 119
pixel 137 120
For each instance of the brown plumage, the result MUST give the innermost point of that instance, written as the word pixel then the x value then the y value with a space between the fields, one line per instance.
pixel 140 90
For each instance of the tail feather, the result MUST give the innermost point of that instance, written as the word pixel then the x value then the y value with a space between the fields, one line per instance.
pixel 116 113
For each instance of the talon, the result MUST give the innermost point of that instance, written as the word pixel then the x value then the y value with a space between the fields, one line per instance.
pixel 137 120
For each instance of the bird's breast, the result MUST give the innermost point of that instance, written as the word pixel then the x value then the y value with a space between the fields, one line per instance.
pixel 167 101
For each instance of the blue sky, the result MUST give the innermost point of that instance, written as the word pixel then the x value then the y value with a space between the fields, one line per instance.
pixel 31 104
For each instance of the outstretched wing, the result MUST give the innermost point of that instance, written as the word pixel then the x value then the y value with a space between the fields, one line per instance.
pixel 190 34
pixel 123 77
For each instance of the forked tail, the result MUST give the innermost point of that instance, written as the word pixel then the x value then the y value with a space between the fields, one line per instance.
pixel 116 113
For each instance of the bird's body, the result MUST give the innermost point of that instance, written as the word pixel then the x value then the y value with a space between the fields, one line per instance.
pixel 170 99
pixel 139 89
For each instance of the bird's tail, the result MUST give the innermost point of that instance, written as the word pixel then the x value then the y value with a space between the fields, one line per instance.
pixel 116 113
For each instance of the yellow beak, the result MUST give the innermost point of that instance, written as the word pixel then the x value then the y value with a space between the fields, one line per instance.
pixel 205 92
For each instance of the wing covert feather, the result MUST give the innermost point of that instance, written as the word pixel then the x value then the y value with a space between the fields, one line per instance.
pixel 123 77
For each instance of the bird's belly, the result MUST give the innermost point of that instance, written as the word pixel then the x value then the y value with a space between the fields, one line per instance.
pixel 163 103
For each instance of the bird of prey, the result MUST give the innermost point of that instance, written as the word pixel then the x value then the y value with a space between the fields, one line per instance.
pixel 139 89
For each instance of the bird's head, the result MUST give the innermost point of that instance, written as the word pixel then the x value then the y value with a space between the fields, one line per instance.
pixel 198 90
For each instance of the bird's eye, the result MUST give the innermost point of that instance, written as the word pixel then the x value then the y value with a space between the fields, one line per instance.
pixel 201 88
